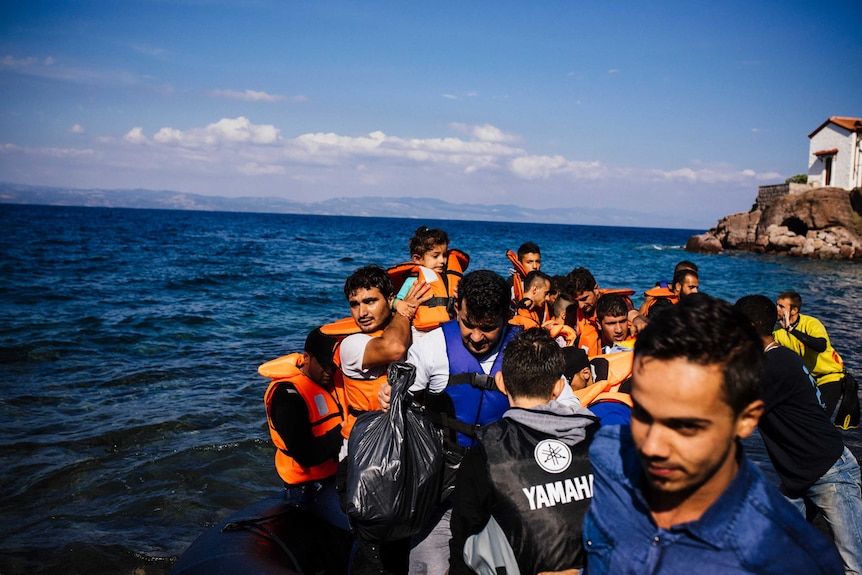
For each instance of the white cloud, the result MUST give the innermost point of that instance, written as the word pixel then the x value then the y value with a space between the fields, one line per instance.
pixel 544 167
pixel 485 132
pixel 714 175
pixel 135 136
pixel 255 169
pixel 477 164
pixel 10 62
pixel 224 132
pixel 248 95
pixel 48 68
pixel 76 129
pixel 450 96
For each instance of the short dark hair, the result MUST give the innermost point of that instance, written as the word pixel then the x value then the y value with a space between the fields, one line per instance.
pixel 528 248
pixel 425 239
pixel 487 296
pixel 367 277
pixel 794 297
pixel 708 331
pixel 612 305
pixel 572 315
pixel 562 303
pixel 685 265
pixel 581 280
pixel 760 311
pixel 680 275
pixel 532 364
pixel 535 277
pixel 558 284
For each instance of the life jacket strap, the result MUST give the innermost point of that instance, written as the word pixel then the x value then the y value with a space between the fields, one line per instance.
pixel 437 302
pixel 449 422
pixel 481 381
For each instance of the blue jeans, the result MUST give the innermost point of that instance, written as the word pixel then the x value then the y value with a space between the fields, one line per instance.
pixel 838 495
pixel 320 499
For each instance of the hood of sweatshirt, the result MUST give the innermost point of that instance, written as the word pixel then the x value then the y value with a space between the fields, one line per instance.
pixel 571 424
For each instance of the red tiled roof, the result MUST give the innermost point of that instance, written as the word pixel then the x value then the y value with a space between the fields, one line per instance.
pixel 826 152
pixel 852 124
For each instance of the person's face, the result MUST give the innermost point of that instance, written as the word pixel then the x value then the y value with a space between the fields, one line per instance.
pixel 316 372
pixel 587 301
pixel 434 258
pixel 478 337
pixel 582 379
pixel 539 294
pixel 370 310
pixel 688 286
pixel 785 308
pixel 684 430
pixel 531 262
pixel 614 328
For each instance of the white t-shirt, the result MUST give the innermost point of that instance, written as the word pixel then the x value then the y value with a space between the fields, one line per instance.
pixel 352 352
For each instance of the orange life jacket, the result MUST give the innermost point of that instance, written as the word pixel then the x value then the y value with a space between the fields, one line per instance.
pixel 324 415
pixel 561 330
pixel 625 293
pixel 359 395
pixel 440 308
pixel 519 275
pixel 341 328
pixel 526 318
pixel 589 338
pixel 654 294
pixel 619 370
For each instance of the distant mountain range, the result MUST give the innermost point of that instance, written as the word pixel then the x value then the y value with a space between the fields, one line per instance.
pixel 425 208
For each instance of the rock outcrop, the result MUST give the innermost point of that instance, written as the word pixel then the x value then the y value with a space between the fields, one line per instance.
pixel 821 223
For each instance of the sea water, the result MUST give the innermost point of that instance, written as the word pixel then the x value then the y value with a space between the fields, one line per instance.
pixel 132 412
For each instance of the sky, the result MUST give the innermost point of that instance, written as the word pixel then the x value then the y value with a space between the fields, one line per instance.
pixel 672 112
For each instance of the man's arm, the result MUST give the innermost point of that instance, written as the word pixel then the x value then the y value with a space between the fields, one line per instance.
pixel 637 321
pixel 290 419
pixel 815 340
pixel 392 345
pixel 818 344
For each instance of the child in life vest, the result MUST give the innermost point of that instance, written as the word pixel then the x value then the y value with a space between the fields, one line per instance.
pixel 429 252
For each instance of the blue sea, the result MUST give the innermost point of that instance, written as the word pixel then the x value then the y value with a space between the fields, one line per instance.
pixel 129 343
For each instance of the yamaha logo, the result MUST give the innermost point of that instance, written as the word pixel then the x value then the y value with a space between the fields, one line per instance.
pixel 553 455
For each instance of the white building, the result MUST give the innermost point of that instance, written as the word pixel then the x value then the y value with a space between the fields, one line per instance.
pixel 835 154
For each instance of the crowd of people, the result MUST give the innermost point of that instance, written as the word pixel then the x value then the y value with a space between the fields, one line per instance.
pixel 579 432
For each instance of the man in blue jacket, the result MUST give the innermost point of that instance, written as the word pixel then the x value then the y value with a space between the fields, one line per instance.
pixel 675 494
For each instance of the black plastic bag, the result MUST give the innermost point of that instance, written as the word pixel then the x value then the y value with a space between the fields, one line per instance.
pixel 847 416
pixel 394 466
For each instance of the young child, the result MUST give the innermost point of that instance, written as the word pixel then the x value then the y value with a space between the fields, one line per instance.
pixel 440 267
pixel 502 493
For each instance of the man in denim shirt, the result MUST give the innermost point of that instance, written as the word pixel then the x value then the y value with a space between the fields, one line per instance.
pixel 675 494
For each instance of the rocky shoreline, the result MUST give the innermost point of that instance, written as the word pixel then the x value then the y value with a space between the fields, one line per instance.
pixel 824 223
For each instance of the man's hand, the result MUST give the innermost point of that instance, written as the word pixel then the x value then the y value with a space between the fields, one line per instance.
pixel 383 396
pixel 784 319
pixel 637 322
pixel 419 293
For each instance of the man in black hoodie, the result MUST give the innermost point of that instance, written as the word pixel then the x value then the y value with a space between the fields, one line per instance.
pixel 525 487
pixel 806 450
